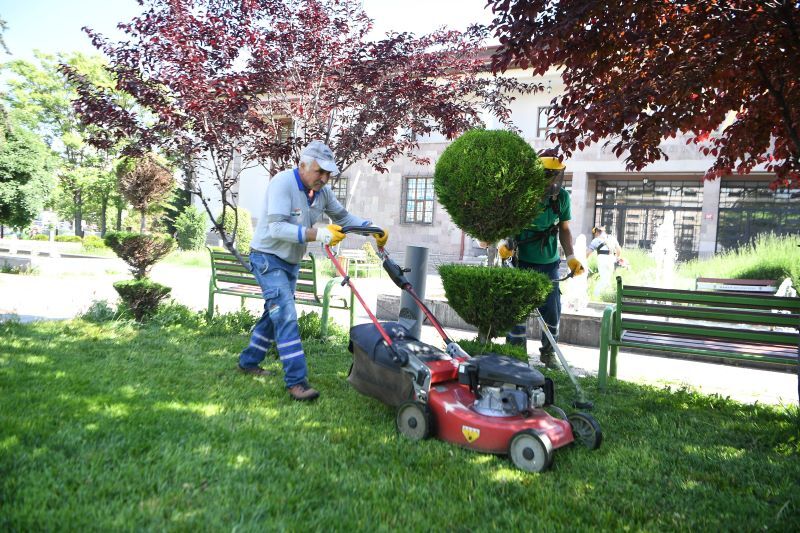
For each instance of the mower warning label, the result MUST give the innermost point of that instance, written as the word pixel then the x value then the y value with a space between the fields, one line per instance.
pixel 471 434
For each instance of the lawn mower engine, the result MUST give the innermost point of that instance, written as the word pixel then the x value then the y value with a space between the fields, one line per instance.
pixel 503 386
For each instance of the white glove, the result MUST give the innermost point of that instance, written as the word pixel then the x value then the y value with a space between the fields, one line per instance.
pixel 324 235
pixel 330 234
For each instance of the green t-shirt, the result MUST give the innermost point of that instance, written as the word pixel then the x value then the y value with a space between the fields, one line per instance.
pixel 544 251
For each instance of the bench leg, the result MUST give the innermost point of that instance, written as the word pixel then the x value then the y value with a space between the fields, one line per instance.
pixel 326 303
pixel 210 311
pixel 612 370
pixel 605 330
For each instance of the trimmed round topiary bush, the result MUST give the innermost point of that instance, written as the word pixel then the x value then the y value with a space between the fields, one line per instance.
pixel 142 296
pixel 490 182
pixel 493 299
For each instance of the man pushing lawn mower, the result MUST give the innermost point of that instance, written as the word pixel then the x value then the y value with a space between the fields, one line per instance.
pixel 296 199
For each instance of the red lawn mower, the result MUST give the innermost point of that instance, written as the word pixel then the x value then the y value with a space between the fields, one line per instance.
pixel 489 403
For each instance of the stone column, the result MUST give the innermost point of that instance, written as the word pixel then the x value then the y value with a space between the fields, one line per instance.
pixel 582 205
pixel 708 224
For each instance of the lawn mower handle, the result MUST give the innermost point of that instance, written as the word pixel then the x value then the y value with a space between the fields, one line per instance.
pixel 362 230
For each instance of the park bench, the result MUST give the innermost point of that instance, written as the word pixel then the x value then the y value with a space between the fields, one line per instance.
pixel 753 329
pixel 359 262
pixel 761 286
pixel 229 277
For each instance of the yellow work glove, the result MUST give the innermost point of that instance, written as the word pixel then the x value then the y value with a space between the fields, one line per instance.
pixel 330 234
pixel 381 238
pixel 504 251
pixel 575 266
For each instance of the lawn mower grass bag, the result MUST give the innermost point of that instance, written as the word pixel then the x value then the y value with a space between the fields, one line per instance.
pixel 374 373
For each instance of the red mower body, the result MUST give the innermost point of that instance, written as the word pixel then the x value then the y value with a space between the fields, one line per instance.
pixel 456 421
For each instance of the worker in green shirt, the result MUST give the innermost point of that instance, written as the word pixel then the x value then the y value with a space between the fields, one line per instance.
pixel 536 248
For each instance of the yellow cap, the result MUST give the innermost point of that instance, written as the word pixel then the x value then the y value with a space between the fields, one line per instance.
pixel 552 163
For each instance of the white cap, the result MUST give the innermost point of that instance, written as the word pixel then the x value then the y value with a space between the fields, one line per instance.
pixel 322 155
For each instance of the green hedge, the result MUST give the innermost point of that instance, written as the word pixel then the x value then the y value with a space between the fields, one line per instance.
pixel 142 296
pixel 493 299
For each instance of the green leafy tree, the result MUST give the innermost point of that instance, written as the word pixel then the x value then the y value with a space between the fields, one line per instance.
pixel 26 175
pixel 239 228
pixel 40 99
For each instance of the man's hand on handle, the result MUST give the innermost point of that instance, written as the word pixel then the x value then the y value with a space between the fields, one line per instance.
pixel 381 238
pixel 330 234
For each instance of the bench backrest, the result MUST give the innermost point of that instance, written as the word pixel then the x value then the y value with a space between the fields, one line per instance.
pixel 706 313
pixel 226 269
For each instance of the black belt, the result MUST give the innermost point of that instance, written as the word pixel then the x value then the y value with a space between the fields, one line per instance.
pixel 603 253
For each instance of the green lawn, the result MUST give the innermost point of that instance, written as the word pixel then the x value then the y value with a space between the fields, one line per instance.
pixel 114 427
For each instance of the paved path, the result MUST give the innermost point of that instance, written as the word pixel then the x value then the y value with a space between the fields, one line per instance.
pixel 65 287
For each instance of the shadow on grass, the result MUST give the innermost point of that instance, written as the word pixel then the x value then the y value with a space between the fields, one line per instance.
pixel 113 427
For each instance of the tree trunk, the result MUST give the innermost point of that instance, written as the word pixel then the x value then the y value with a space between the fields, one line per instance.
pixel 143 222
pixel 119 218
pixel 103 214
pixel 78 212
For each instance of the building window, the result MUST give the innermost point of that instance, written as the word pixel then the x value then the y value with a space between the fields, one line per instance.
pixel 339 188
pixel 634 212
pixel 418 200
pixel 748 209
pixel 542 116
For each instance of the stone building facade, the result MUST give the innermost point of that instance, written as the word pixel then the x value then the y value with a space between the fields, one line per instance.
pixel 710 216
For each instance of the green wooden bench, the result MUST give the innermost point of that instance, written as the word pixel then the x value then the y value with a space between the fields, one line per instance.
pixel 229 277
pixel 755 329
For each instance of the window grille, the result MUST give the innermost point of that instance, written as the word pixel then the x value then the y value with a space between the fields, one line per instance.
pixel 418 200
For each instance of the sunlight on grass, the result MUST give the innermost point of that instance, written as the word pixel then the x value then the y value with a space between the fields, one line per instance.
pixel 241 461
pixel 9 442
pixel 506 474
pixel 207 410
pixel 133 436
pixel 36 360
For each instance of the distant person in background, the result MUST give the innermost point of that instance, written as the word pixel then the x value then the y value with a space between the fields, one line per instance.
pixel 608 253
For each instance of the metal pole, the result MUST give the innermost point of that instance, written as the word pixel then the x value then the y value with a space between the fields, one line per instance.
pixel 411 315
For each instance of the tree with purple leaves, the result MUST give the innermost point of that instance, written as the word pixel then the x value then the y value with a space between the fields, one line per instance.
pixel 231 84
pixel 637 72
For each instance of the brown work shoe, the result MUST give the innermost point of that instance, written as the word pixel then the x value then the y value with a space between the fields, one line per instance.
pixel 302 392
pixel 255 370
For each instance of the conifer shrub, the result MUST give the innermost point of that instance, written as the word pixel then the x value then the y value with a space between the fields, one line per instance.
pixel 493 299
pixel 244 228
pixel 490 182
pixel 190 229
pixel 142 296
